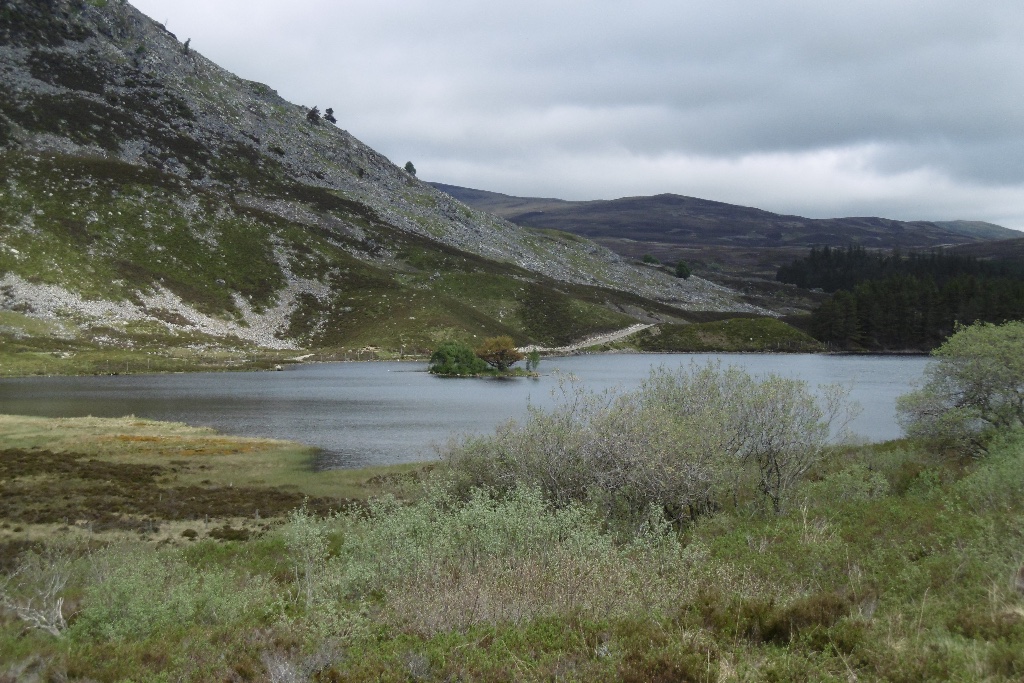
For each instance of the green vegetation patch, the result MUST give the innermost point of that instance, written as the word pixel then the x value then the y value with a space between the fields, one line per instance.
pixel 136 474
pixel 557 319
pixel 104 229
pixel 20 325
pixel 41 487
pixel 734 334
pixel 557 235
pixel 856 580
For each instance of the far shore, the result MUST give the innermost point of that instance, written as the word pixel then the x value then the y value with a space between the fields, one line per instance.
pixel 273 361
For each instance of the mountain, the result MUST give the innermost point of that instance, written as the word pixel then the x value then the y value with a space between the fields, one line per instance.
pixel 675 219
pixel 980 229
pixel 151 199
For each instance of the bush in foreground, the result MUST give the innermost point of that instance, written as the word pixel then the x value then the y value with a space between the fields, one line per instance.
pixel 687 442
pixel 974 388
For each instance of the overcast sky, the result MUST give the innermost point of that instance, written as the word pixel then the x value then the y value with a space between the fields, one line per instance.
pixel 908 109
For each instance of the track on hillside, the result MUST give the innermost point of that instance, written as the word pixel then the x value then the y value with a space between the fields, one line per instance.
pixel 594 340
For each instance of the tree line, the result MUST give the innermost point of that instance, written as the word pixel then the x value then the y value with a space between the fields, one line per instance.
pixel 888 300
pixel 835 269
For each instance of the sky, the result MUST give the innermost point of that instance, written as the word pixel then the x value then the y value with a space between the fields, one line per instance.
pixel 906 109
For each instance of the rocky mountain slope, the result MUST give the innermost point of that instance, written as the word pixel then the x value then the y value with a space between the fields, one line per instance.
pixel 151 198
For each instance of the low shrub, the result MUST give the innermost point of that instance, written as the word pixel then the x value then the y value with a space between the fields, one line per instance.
pixel 442 565
pixel 134 594
pixel 456 358
pixel 996 487
pixel 856 482
pixel 687 441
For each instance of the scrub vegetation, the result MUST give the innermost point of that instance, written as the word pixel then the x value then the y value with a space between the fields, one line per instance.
pixel 493 358
pixel 731 334
pixel 570 546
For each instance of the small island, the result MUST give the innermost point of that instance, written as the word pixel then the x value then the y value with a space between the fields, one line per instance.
pixel 494 358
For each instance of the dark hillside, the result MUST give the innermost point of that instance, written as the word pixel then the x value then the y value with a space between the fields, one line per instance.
pixel 686 221
pixel 1001 250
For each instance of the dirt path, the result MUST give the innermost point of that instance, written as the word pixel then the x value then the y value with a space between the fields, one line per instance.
pixel 605 338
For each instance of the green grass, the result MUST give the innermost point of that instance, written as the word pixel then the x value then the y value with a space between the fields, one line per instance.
pixel 105 228
pixel 150 351
pixel 20 325
pixel 733 334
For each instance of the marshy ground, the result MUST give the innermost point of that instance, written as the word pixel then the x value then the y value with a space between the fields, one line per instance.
pixel 104 478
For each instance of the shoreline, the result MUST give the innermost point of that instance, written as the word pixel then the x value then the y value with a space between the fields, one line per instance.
pixel 284 364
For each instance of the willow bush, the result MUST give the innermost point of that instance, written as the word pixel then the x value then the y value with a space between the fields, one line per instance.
pixel 133 594
pixel 441 564
pixel 973 389
pixel 687 441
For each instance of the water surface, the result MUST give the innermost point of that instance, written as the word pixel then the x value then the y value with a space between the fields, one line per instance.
pixel 363 414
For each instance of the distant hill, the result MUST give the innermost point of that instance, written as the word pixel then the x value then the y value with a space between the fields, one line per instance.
pixel 981 229
pixel 687 221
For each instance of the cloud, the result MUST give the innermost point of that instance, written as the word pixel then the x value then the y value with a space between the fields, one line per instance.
pixel 897 108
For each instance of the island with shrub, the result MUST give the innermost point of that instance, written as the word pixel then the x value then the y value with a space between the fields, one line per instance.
pixel 493 358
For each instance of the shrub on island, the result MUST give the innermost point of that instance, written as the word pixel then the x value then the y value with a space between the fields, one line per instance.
pixel 456 359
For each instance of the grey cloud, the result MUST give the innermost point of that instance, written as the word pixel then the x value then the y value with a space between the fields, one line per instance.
pixel 485 87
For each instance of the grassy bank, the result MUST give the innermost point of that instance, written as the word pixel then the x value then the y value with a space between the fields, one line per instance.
pixel 110 479
pixel 889 564
pixel 25 356
pixel 37 356
pixel 745 334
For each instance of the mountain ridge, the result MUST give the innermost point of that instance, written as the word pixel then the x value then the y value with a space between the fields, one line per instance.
pixel 669 217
